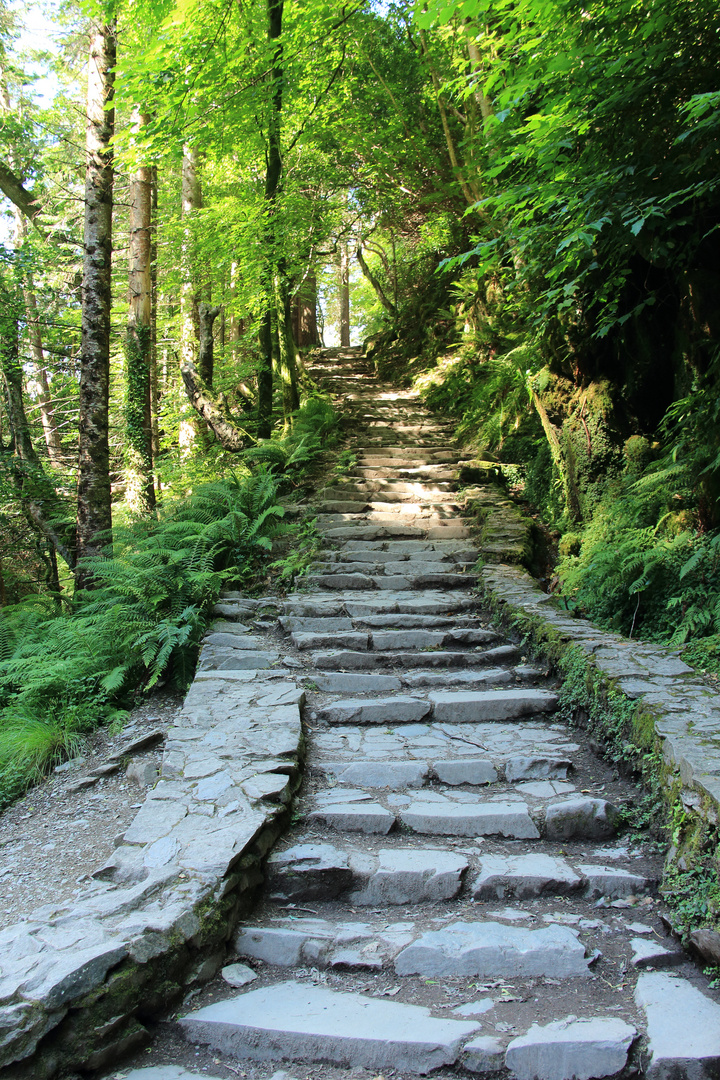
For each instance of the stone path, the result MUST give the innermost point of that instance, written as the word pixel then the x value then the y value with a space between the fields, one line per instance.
pixel 455 896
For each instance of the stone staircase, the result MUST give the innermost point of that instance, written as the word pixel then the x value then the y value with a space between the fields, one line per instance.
pixel 455 896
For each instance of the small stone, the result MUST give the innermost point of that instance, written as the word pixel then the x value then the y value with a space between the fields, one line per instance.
pixel 484 1054
pixel 582 819
pixel 143 773
pixel 707 943
pixel 537 767
pixel 136 746
pixel 649 954
pixel 82 783
pixel 238 974
pixel 474 1008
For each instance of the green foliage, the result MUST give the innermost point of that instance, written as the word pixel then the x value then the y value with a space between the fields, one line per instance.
pixel 304 542
pixel 62 674
pixel 311 429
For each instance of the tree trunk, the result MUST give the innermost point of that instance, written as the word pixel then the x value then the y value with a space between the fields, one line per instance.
pixel 344 295
pixel 140 486
pixel 38 498
pixel 94 515
pixel 154 380
pixel 40 379
pixel 286 343
pixel 189 298
pixel 305 327
pixel 379 291
pixel 272 182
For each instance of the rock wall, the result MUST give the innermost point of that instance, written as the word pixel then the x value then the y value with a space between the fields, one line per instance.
pixel 671 715
pixel 79 980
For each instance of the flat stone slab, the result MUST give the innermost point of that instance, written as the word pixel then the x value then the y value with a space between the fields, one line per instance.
pixel 475 771
pixel 413 877
pixel 166 1072
pixel 523 876
pixel 394 775
pixel 302 1022
pixel 683 1028
pixel 613 881
pixel 486 819
pixel 650 954
pixel 461 706
pixel 398 709
pixel 364 817
pixel 494 949
pixel 571 1049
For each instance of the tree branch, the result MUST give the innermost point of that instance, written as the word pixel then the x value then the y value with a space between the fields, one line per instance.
pixel 208 406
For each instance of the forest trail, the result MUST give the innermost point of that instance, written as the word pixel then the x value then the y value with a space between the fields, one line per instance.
pixel 453 896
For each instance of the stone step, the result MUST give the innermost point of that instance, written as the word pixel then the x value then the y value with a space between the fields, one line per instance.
pixel 449 706
pixel 491 818
pixel 364 489
pixel 493 949
pixel 348 660
pixel 363 531
pixel 440 559
pixel 384 640
pixel 431 602
pixel 570 1049
pixel 401 569
pixel 352 683
pixel 419 875
pixel 325 624
pixel 299 1021
pixel 407 580
pixel 683 1028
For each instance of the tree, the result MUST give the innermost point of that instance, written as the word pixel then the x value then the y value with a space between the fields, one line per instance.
pixel 94 515
pixel 140 486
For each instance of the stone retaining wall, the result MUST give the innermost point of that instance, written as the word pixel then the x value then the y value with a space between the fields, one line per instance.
pixel 79 979
pixel 674 724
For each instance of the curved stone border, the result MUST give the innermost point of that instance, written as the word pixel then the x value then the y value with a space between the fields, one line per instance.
pixel 676 712
pixel 78 979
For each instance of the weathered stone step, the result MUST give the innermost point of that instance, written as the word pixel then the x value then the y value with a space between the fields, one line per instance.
pixel 302 1022
pixel 352 682
pixel 397 775
pixel 365 531
pixel 493 949
pixel 364 489
pixel 348 660
pixel 431 602
pixel 402 568
pixel 407 580
pixel 321 624
pixel 569 1049
pixel 393 639
pixel 439 558
pixel 683 1028
pixel 420 875
pixel 451 706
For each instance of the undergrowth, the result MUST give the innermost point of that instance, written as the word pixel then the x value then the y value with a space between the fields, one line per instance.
pixel 64 671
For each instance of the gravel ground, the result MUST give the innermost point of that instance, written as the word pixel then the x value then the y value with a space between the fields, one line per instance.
pixel 53 839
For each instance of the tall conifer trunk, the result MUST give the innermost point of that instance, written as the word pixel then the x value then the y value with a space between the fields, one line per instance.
pixel 140 487
pixel 94 514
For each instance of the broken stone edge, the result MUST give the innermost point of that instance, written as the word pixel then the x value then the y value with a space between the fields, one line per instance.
pixel 79 979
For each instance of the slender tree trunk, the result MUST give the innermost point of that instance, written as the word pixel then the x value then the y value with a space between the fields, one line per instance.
pixel 379 291
pixel 41 386
pixel 37 495
pixel 344 295
pixel 272 183
pixel 94 515
pixel 286 343
pixel 154 379
pixel 140 486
